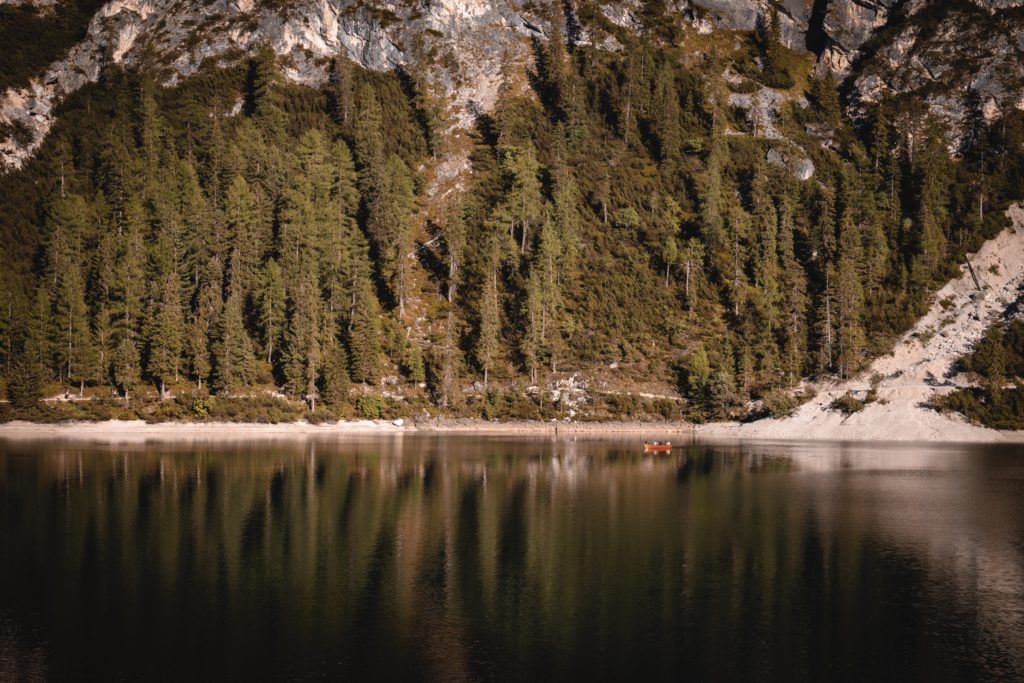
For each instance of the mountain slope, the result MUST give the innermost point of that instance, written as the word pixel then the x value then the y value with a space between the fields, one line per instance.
pixel 936 51
pixel 642 211
pixel 921 367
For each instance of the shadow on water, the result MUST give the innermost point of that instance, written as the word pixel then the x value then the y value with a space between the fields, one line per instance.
pixel 458 558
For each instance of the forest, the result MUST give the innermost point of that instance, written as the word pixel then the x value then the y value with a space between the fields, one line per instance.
pixel 238 240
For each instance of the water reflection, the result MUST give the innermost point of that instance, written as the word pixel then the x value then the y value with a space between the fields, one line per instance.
pixel 460 558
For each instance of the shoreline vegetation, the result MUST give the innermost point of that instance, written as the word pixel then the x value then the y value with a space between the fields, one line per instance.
pixel 627 244
pixel 121 431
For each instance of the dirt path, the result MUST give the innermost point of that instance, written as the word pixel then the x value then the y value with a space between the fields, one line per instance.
pixel 920 365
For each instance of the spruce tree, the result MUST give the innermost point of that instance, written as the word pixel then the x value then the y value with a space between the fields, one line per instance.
pixel 303 342
pixel 271 308
pixel 364 335
pixel 455 245
pixel 243 234
pixel 231 348
pixel 794 291
pixel 335 389
pixel 165 330
pixel 390 228
pixel 76 347
pixel 126 299
pixel 39 334
pixel 25 383
pixel 849 290
pixel 487 343
pixel 533 331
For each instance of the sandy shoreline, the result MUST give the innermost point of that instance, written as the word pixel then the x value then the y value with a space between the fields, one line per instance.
pixel 115 431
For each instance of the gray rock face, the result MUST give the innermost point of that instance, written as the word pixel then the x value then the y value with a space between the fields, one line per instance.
pixel 464 41
pixel 794 16
pixel 935 49
pixel 952 58
pixel 801 168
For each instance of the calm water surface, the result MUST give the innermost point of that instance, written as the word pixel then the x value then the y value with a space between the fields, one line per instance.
pixel 451 558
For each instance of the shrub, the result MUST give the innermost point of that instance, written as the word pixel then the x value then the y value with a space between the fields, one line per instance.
pixel 780 403
pixel 25 386
pixel 847 404
pixel 201 407
pixel 995 408
pixel 370 406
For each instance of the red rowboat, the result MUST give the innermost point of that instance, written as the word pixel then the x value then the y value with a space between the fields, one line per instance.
pixel 655 446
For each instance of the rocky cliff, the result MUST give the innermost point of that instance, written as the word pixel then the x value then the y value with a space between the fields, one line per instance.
pixel 946 53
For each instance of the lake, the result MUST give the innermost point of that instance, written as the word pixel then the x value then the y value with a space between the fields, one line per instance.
pixel 411 557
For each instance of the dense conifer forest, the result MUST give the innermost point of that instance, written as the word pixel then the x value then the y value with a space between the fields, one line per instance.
pixel 237 234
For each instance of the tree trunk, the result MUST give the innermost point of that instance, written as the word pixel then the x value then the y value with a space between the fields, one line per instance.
pixel 688 285
pixel 163 389
pixel 81 388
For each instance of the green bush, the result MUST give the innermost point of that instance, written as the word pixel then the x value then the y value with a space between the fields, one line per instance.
pixel 847 404
pixel 371 406
pixel 779 403
pixel 996 408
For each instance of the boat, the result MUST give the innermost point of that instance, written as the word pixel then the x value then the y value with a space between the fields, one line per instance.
pixel 657 446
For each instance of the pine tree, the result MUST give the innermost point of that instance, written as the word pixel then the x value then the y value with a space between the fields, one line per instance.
pixel 455 245
pixel 342 237
pixel 772 51
pixel 390 228
pixel 25 383
pixel 243 234
pixel 547 266
pixel 271 308
pixel 206 313
pixel 303 342
pixel 849 291
pixel 524 192
pixel 826 321
pixel 165 330
pixel 667 115
pixel 196 232
pixel 39 334
pixel 692 260
pixel 738 228
pixel 413 366
pixel 794 289
pixel 446 388
pixel 824 92
pixel 566 199
pixel 766 266
pixel 231 348
pixel 364 336
pixel 487 343
pixel 533 331
pixel 126 299
pixel 369 149
pixel 334 392
pixel 340 93
pixel 297 238
pixel 263 101
pixel 711 210
pixel 77 350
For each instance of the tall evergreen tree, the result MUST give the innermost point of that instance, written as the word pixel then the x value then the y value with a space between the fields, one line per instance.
pixel 231 349
pixel 165 330
pixel 271 308
pixel 303 341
